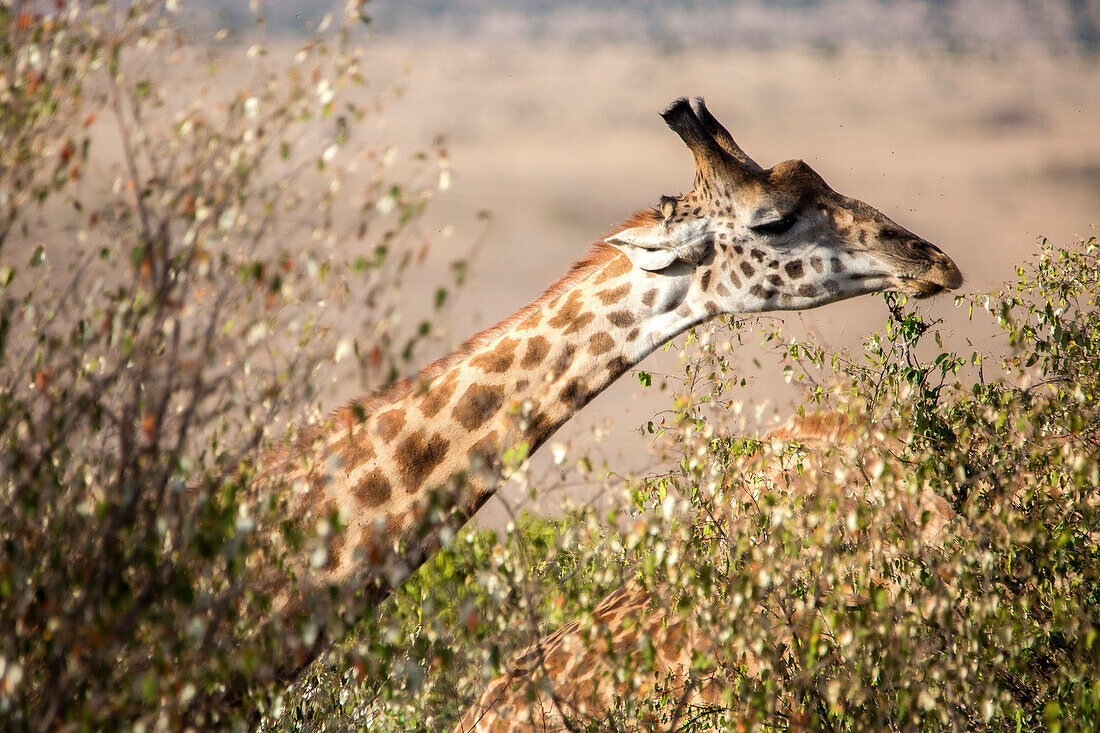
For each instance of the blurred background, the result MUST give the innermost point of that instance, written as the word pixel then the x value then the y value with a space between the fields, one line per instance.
pixel 974 123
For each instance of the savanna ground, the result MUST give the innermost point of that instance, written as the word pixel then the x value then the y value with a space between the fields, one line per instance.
pixel 983 153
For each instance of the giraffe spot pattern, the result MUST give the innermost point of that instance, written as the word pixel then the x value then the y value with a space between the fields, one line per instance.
pixel 600 343
pixel 354 450
pixel 487 450
pixel 531 321
pixel 417 457
pixel 335 542
pixel 815 262
pixel 537 349
pixel 633 334
pixel 760 292
pixel 831 287
pixel 794 269
pixel 618 365
pixel 757 255
pixel 374 490
pixel 775 280
pixel 499 359
pixel 616 268
pixel 578 323
pixel 807 290
pixel 373 543
pixel 539 428
pixel 705 281
pixel 563 361
pixel 650 297
pixel 837 266
pixel 722 290
pixel 747 269
pixel 478 404
pixel 438 398
pixel 568 312
pixel 575 393
pixel 622 319
pixel 390 423
pixel 610 297
pixel 316 492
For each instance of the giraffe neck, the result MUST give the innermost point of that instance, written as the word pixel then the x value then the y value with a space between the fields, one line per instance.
pixel 418 467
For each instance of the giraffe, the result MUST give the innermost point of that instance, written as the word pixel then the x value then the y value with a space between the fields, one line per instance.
pixel 402 472
pixel 570 673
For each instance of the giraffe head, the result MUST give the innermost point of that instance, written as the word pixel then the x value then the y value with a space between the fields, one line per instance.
pixel 759 240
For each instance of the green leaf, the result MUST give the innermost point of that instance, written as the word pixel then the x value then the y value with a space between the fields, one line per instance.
pixel 645 378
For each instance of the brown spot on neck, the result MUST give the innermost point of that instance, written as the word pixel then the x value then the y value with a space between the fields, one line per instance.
pixel 581 321
pixel 565 358
pixel 487 451
pixel 373 491
pixel 600 343
pixel 537 348
pixel 622 319
pixel 568 311
pixel 355 449
pixel 417 457
pixel 499 359
pixel 335 543
pixel 390 423
pixel 478 404
pixel 614 295
pixel 437 398
pixel 616 268
pixel 617 366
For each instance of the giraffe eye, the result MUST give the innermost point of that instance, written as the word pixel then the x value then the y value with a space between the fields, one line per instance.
pixel 777 227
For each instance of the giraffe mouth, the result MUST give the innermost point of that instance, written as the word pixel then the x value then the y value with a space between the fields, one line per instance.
pixel 918 288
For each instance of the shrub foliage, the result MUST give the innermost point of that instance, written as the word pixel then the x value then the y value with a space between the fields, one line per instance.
pixel 174 256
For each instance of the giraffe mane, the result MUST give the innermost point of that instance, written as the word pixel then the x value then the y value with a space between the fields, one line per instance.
pixel 598 254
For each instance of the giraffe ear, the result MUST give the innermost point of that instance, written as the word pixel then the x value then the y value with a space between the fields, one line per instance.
pixel 656 246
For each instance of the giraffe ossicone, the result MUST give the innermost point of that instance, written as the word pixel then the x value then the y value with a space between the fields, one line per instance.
pixel 398 470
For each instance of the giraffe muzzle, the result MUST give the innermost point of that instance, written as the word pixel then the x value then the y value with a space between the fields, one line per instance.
pixel 939 273
pixel 943 275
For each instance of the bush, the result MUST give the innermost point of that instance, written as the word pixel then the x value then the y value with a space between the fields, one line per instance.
pixel 172 267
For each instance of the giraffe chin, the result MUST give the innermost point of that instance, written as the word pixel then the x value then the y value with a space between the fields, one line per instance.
pixel 919 289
